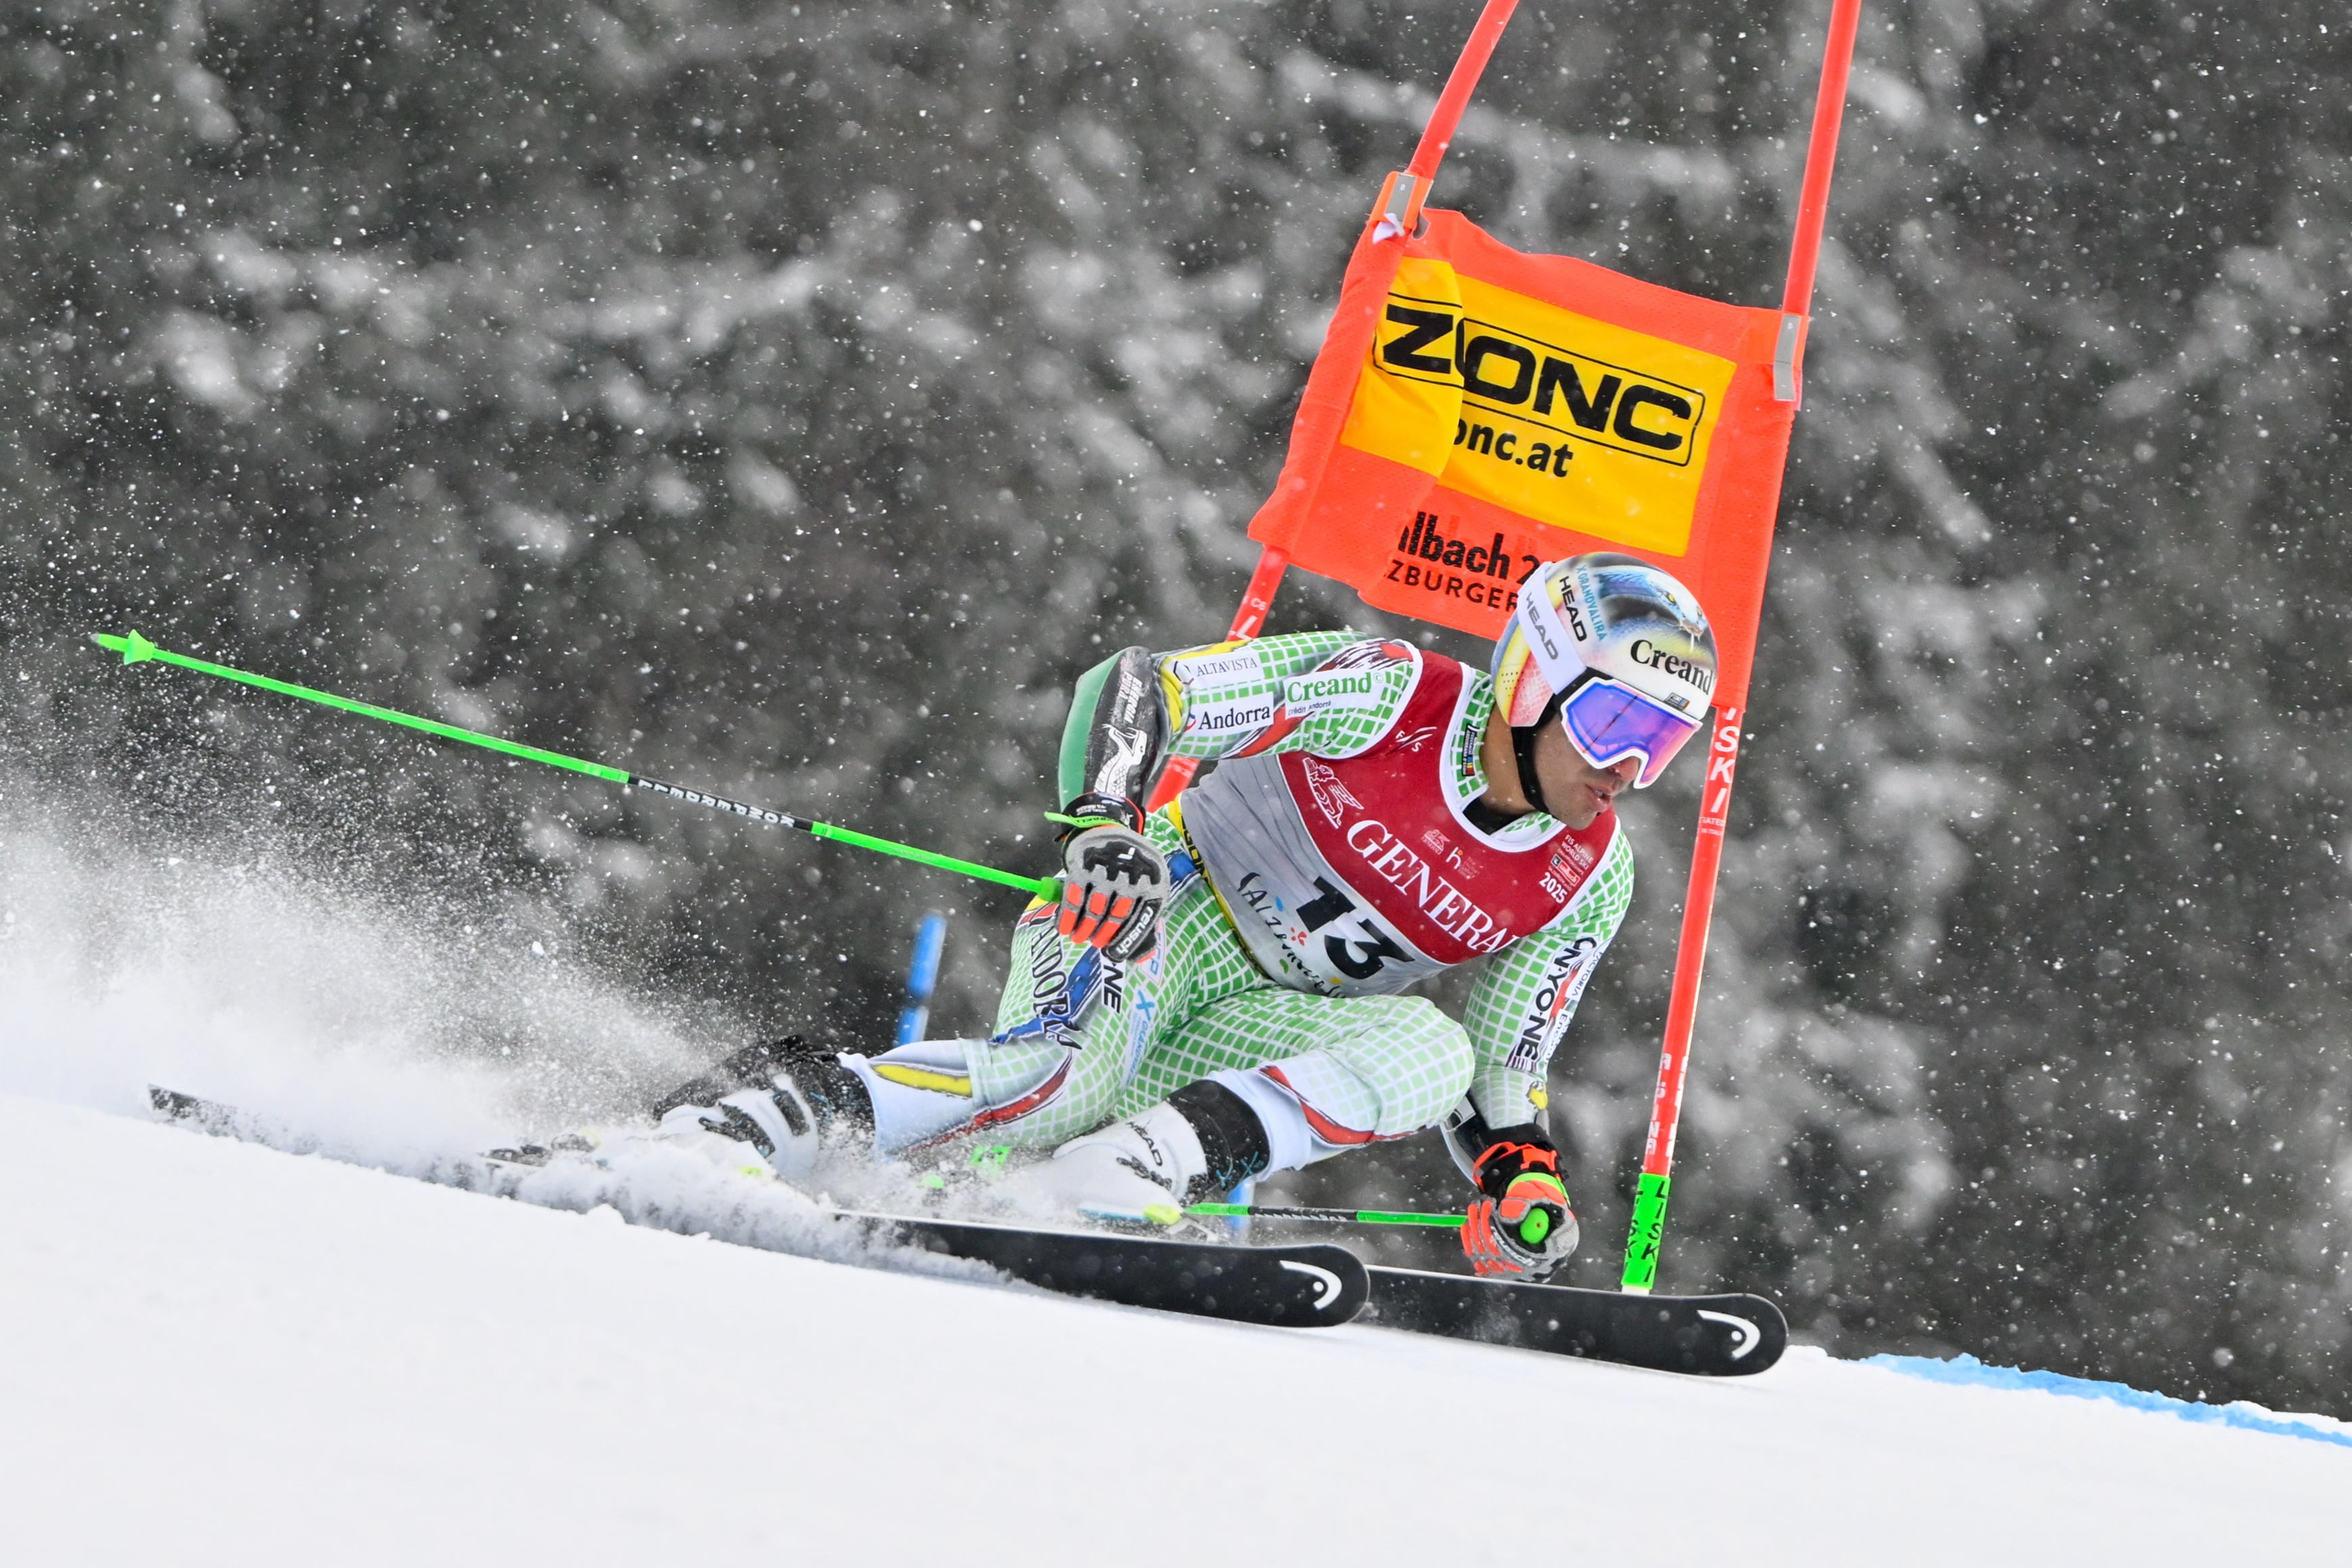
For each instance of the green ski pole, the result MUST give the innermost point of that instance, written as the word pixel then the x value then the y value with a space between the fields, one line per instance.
pixel 136 650
pixel 1329 1216
pixel 1532 1230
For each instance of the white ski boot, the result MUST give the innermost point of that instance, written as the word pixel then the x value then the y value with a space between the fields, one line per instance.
pixel 799 1103
pixel 1133 1172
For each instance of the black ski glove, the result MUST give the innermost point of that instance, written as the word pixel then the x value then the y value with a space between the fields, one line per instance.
pixel 1523 1226
pixel 1114 883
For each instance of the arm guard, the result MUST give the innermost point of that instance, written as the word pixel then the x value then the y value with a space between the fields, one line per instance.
pixel 1117 734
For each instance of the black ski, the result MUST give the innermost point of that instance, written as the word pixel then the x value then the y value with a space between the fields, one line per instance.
pixel 1309 1286
pixel 227 1121
pixel 1715 1336
pixel 1312 1286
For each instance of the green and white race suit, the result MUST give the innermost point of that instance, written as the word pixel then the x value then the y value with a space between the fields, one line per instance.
pixel 1324 865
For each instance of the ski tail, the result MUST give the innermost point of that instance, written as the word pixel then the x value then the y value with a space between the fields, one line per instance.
pixel 226 1121
pixel 1306 1286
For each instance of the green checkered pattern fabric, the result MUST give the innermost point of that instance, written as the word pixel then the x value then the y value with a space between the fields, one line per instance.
pixel 1504 999
pixel 1386 1065
pixel 1243 675
pixel 1507 992
pixel 1225 681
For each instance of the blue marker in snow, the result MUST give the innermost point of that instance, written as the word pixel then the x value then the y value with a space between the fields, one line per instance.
pixel 931 937
pixel 1244 1192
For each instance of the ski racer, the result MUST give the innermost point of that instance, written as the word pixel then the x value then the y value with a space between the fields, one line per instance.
pixel 1217 994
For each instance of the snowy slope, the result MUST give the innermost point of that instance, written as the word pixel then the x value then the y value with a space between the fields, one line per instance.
pixel 217 1353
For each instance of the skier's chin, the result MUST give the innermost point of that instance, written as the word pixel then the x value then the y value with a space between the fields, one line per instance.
pixel 1584 804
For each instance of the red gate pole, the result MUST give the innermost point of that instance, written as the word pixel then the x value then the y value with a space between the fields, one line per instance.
pixel 1647 1233
pixel 1402 197
pixel 1821 157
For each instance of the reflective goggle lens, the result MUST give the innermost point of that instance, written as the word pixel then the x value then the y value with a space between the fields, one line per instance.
pixel 1608 723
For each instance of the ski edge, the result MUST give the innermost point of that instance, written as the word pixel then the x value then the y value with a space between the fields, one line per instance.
pixel 1306 1285
pixel 1727 1334
pixel 1321 1285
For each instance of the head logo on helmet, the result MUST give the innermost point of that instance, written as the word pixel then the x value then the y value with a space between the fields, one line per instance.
pixel 1619 650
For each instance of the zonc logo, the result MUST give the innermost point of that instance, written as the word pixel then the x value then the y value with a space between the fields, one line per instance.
pixel 1539 383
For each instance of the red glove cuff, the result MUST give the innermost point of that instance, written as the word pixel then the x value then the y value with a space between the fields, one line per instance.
pixel 1506 1159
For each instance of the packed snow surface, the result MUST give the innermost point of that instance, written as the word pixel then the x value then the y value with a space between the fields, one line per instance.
pixel 219 1352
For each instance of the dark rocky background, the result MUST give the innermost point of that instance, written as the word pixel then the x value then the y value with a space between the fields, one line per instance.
pixel 790 399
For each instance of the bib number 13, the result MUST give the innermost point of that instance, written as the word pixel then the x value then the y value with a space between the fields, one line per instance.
pixel 1359 958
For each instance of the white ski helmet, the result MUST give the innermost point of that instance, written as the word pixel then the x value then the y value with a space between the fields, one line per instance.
pixel 1619 650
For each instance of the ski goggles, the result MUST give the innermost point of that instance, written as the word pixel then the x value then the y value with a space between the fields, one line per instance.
pixel 1608 721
